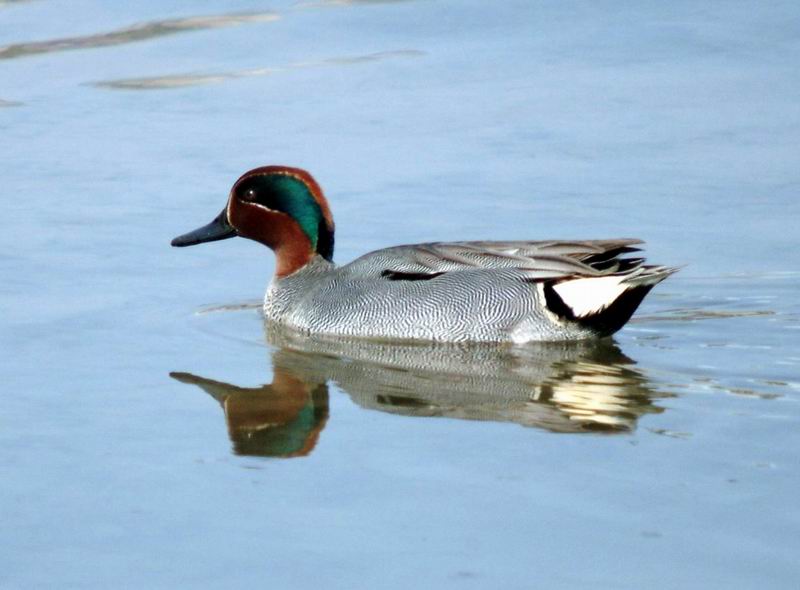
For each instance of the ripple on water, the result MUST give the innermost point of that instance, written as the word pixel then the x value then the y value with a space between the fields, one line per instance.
pixel 184 80
pixel 137 32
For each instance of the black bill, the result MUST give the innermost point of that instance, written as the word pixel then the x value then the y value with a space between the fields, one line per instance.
pixel 219 229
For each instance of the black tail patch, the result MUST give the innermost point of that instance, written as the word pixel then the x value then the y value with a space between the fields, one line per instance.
pixel 606 321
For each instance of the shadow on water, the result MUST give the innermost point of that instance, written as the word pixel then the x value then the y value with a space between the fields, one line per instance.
pixel 565 387
pixel 137 32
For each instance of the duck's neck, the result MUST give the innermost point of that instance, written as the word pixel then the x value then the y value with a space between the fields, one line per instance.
pixel 293 247
pixel 291 257
pixel 289 263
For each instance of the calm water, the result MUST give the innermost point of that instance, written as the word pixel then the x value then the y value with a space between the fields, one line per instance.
pixel 155 435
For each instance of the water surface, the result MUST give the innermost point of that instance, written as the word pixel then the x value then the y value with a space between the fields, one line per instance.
pixel 154 434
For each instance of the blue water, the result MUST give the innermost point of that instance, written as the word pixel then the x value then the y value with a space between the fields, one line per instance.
pixel 154 435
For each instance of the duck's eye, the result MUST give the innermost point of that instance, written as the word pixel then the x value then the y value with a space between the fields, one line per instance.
pixel 249 195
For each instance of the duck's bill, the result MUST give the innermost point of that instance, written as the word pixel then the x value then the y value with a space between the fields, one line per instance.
pixel 219 229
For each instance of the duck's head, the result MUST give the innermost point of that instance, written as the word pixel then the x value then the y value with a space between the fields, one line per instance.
pixel 279 206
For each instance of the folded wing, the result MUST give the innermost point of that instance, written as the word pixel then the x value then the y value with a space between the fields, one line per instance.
pixel 536 260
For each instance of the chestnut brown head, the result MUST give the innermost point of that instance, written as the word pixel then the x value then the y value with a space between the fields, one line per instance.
pixel 278 206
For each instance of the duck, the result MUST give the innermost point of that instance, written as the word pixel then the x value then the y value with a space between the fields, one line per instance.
pixel 471 291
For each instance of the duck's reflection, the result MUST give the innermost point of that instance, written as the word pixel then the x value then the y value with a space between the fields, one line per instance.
pixel 282 419
pixel 565 387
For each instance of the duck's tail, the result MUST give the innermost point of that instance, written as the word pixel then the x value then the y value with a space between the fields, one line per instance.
pixel 604 304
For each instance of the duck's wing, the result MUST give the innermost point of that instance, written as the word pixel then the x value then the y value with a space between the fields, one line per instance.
pixel 592 282
pixel 536 260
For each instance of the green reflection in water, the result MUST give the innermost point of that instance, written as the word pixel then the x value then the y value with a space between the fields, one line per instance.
pixel 282 419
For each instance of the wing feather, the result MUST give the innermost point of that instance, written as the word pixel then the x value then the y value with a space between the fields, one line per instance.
pixel 536 260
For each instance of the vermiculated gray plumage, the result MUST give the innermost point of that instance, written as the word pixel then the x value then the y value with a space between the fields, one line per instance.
pixel 510 291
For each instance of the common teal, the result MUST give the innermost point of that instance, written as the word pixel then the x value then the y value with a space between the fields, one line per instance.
pixel 510 291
